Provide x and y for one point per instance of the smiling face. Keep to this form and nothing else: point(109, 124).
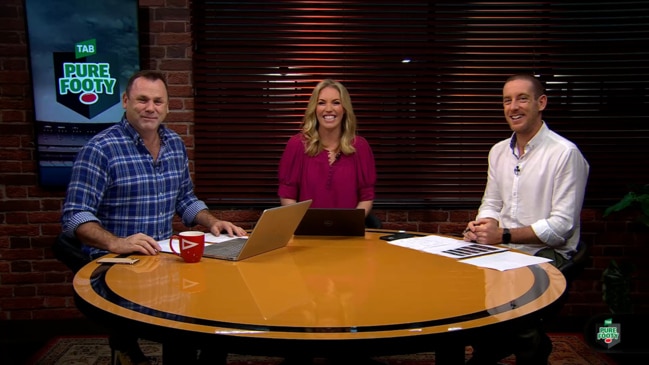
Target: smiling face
point(146, 105)
point(329, 110)
point(522, 107)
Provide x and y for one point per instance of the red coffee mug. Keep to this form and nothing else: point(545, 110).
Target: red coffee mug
point(191, 245)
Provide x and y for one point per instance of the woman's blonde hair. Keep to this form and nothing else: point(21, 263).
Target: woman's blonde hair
point(313, 145)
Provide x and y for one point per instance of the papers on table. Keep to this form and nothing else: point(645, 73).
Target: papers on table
point(209, 239)
point(164, 245)
point(493, 257)
point(446, 246)
point(506, 260)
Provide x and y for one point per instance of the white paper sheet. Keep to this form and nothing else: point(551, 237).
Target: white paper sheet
point(505, 260)
point(446, 246)
point(459, 249)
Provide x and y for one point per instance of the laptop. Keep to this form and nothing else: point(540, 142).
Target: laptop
point(332, 222)
point(273, 230)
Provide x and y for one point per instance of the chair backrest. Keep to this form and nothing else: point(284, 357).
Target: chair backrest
point(372, 221)
point(68, 251)
point(577, 264)
point(570, 271)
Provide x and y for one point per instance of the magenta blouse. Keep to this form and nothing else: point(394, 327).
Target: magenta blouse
point(348, 181)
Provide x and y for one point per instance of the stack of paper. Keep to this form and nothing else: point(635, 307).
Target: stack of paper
point(489, 256)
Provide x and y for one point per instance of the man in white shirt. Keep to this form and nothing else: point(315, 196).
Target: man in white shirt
point(532, 201)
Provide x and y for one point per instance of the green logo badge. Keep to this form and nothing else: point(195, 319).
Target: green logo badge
point(85, 48)
point(83, 77)
point(609, 333)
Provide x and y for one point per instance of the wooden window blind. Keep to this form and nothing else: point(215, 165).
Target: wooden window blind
point(425, 80)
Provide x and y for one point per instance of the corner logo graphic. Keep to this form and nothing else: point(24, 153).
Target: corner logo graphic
point(84, 82)
point(609, 334)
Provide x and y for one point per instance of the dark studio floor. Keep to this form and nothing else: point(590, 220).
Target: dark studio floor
point(20, 340)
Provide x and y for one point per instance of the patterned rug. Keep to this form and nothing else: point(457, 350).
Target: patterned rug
point(569, 349)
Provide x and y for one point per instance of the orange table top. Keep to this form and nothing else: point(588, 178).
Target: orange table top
point(319, 288)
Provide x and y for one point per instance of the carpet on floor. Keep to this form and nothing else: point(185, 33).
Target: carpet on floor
point(568, 349)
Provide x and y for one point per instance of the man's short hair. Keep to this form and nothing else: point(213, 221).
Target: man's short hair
point(536, 83)
point(151, 75)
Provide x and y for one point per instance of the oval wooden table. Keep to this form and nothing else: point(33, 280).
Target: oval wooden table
point(319, 296)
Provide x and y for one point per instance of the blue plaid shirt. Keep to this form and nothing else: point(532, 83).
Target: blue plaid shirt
point(116, 183)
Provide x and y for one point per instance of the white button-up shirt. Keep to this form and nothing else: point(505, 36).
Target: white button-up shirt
point(543, 188)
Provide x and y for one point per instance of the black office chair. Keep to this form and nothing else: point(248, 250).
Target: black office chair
point(372, 221)
point(68, 251)
point(572, 268)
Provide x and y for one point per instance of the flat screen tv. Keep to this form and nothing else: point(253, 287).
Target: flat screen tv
point(82, 54)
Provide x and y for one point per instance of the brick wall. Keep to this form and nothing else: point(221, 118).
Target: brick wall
point(33, 285)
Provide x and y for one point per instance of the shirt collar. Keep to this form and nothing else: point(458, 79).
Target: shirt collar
point(535, 141)
point(135, 136)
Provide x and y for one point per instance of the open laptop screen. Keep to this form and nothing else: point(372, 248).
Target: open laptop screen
point(332, 222)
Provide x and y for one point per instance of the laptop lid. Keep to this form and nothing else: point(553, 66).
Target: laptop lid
point(273, 230)
point(332, 222)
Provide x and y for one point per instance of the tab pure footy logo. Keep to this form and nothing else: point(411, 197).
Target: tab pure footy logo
point(609, 334)
point(84, 82)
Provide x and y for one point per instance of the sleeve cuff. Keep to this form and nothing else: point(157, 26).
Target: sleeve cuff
point(78, 219)
point(192, 211)
point(544, 232)
point(488, 214)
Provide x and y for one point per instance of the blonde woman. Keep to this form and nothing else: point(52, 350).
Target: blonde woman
point(326, 161)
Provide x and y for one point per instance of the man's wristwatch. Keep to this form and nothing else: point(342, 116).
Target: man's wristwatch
point(507, 236)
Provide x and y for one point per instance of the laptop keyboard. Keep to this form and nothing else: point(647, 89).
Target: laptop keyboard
point(230, 248)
